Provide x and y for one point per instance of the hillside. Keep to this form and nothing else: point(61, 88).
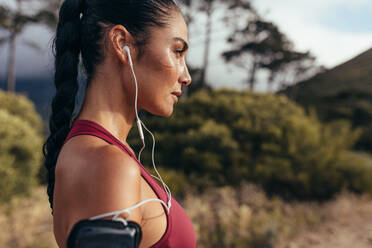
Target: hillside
point(343, 92)
point(354, 75)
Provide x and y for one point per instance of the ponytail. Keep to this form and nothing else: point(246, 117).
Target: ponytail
point(66, 47)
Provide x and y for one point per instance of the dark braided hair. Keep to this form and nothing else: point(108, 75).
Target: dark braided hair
point(80, 30)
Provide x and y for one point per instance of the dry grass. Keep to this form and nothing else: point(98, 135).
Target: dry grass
point(224, 217)
point(27, 222)
point(247, 218)
point(345, 222)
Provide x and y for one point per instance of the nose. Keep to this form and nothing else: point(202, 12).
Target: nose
point(185, 79)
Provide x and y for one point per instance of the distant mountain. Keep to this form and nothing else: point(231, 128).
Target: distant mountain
point(343, 92)
point(355, 75)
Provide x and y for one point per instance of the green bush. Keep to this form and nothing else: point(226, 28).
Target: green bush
point(356, 170)
point(20, 156)
point(224, 137)
point(20, 145)
point(365, 140)
point(22, 107)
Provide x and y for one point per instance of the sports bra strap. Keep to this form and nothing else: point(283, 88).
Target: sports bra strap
point(87, 127)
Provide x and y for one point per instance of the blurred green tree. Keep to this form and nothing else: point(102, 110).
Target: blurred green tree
point(261, 45)
point(22, 107)
point(256, 45)
point(208, 8)
point(224, 137)
point(20, 146)
point(20, 156)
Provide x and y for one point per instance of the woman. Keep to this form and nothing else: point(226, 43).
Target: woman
point(91, 168)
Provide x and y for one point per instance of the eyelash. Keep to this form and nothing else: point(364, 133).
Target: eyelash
point(179, 51)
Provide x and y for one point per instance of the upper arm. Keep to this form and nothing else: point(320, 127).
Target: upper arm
point(111, 182)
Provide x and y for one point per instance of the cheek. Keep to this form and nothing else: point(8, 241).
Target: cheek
point(160, 75)
point(166, 67)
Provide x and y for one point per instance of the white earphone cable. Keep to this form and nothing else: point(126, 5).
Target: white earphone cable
point(127, 210)
point(139, 121)
point(116, 214)
point(166, 188)
point(139, 124)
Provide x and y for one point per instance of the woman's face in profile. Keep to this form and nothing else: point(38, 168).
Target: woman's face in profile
point(162, 70)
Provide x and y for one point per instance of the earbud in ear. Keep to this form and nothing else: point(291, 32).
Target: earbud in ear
point(126, 48)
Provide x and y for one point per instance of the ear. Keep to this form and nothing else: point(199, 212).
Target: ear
point(120, 37)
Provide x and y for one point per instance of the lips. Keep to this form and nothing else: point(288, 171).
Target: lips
point(177, 93)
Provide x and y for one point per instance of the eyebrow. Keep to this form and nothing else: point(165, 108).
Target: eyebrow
point(185, 45)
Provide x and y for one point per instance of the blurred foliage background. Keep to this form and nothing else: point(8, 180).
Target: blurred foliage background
point(252, 169)
point(20, 142)
point(225, 137)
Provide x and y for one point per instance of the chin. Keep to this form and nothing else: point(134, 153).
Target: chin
point(164, 112)
point(167, 113)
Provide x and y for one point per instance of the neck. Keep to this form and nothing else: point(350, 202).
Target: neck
point(108, 105)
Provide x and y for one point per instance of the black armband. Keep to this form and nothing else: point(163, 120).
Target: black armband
point(104, 233)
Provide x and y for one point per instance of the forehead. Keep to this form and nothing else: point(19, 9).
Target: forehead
point(178, 24)
point(176, 27)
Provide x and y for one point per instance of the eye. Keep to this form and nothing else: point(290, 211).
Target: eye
point(179, 51)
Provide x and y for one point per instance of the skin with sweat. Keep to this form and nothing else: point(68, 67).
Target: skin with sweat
point(94, 177)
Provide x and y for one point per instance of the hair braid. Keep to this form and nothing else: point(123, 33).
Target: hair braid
point(66, 47)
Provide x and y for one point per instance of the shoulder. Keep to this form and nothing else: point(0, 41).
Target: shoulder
point(109, 162)
point(98, 160)
point(96, 180)
point(106, 172)
point(112, 180)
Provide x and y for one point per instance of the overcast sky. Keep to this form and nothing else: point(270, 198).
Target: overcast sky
point(333, 30)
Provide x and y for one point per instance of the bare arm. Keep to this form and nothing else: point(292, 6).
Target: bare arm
point(107, 181)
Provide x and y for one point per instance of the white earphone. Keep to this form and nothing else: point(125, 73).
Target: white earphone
point(126, 48)
point(138, 120)
point(139, 125)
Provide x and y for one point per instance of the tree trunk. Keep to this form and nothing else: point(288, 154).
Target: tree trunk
point(208, 32)
point(252, 76)
point(11, 63)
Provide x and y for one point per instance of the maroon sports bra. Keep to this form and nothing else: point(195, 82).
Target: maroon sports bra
point(179, 232)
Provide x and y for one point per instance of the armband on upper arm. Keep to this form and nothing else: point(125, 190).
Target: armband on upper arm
point(104, 233)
